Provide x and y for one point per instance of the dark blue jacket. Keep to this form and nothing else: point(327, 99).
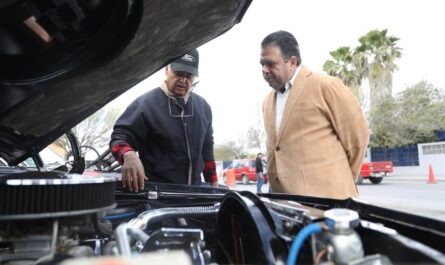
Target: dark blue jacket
point(152, 125)
point(258, 165)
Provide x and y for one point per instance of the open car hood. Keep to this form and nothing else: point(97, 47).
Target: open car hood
point(63, 60)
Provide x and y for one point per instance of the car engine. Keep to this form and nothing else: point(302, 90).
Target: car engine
point(47, 215)
point(52, 218)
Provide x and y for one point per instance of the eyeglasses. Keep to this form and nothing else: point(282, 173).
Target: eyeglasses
point(186, 75)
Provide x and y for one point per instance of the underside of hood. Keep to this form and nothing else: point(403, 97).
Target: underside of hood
point(62, 60)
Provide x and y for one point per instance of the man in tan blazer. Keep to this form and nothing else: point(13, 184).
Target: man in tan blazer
point(316, 132)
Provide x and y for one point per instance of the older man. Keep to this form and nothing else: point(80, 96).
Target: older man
point(171, 129)
point(316, 132)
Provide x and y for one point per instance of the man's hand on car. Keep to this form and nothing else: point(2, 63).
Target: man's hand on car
point(133, 175)
point(214, 184)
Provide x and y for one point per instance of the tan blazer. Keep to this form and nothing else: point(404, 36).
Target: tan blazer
point(322, 139)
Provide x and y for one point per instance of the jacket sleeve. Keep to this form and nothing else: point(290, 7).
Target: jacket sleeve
point(348, 121)
point(209, 171)
point(129, 130)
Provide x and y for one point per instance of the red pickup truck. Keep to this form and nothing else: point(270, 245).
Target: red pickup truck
point(375, 171)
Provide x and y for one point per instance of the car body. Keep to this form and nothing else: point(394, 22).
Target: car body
point(375, 171)
point(244, 170)
point(67, 59)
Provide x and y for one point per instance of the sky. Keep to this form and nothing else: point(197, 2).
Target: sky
point(230, 73)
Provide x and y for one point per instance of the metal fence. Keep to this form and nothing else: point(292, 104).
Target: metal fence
point(400, 156)
point(440, 135)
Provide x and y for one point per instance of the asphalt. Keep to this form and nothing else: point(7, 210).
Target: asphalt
point(440, 178)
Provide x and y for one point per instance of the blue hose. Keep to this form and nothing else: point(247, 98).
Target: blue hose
point(299, 240)
point(119, 216)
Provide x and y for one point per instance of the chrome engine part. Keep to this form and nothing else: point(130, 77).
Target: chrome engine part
point(206, 226)
point(44, 215)
point(188, 239)
point(340, 243)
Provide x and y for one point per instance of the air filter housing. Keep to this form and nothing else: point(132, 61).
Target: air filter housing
point(35, 195)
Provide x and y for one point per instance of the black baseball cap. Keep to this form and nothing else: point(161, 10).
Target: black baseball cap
point(187, 63)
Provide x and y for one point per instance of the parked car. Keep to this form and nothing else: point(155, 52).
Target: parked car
point(375, 171)
point(244, 170)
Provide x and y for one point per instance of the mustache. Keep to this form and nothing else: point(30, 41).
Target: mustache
point(181, 84)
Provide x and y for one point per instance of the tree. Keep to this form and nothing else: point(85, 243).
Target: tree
point(255, 136)
point(93, 132)
point(240, 148)
point(378, 54)
point(386, 128)
point(230, 150)
point(413, 116)
point(346, 65)
point(374, 59)
point(421, 113)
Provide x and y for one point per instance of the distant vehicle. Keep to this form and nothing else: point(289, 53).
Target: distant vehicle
point(375, 171)
point(244, 170)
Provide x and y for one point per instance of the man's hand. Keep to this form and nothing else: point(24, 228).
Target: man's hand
point(133, 175)
point(214, 184)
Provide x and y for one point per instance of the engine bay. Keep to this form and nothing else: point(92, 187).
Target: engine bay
point(52, 218)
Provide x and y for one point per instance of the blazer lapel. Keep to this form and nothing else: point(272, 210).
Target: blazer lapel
point(294, 95)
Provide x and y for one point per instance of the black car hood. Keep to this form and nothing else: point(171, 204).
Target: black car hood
point(62, 60)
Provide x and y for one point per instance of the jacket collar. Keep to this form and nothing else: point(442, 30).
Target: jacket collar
point(167, 92)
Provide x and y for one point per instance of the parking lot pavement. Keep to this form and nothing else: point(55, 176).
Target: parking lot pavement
point(439, 179)
point(415, 178)
point(250, 187)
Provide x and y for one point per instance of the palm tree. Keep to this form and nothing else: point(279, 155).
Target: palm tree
point(378, 53)
point(346, 65)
